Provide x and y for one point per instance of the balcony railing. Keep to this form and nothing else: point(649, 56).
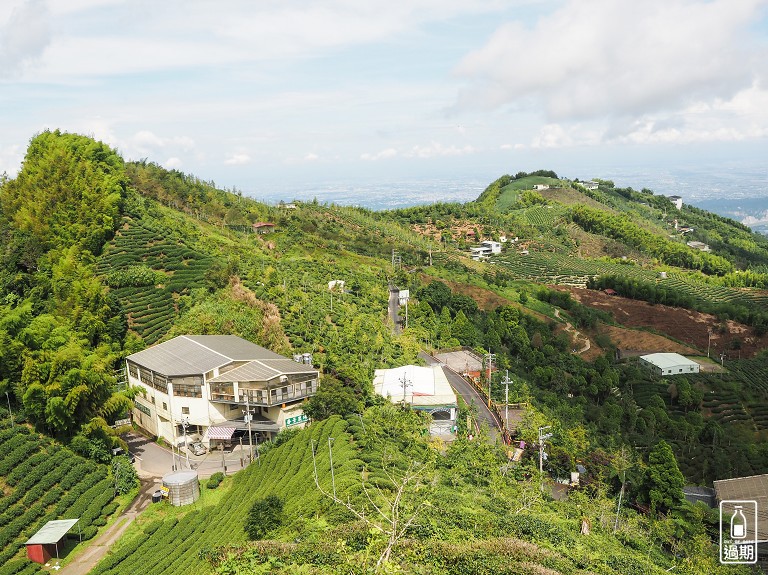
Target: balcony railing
point(269, 396)
point(279, 395)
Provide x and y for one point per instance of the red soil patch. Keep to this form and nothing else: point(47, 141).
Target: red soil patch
point(685, 326)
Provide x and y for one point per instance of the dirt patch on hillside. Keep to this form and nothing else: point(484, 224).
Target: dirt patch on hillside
point(689, 328)
point(486, 299)
point(637, 339)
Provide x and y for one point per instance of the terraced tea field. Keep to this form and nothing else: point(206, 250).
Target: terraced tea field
point(150, 299)
point(44, 482)
point(565, 269)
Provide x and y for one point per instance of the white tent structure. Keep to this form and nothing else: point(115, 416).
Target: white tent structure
point(669, 363)
point(424, 388)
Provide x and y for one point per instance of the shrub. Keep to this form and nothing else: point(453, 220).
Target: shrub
point(215, 480)
point(265, 515)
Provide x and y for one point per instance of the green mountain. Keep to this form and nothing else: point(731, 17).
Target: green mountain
point(102, 258)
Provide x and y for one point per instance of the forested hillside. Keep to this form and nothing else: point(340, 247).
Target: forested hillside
point(124, 255)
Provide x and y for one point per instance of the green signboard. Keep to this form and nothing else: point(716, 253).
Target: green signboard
point(294, 420)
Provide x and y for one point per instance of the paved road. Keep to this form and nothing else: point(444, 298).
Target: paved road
point(468, 392)
point(154, 460)
point(394, 306)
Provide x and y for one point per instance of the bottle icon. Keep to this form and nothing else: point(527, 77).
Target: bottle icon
point(738, 524)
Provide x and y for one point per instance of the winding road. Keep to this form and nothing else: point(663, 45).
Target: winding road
point(469, 393)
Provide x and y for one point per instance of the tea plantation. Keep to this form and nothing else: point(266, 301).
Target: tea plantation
point(41, 481)
point(148, 268)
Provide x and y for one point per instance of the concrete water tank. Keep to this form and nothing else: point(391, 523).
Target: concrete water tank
point(183, 487)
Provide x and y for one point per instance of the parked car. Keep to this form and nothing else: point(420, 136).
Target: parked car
point(190, 439)
point(118, 451)
point(197, 448)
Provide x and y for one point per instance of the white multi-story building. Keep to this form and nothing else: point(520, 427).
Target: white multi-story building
point(484, 250)
point(207, 383)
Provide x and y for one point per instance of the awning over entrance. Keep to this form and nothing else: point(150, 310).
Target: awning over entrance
point(220, 432)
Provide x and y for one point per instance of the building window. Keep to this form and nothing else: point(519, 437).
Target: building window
point(133, 370)
point(181, 390)
point(185, 411)
point(165, 406)
point(222, 391)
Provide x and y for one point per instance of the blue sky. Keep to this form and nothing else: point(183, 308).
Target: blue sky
point(249, 94)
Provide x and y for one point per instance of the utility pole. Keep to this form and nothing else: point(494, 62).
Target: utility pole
point(184, 424)
point(709, 339)
point(489, 357)
point(248, 418)
point(10, 413)
point(506, 383)
point(330, 456)
point(396, 260)
point(542, 438)
point(405, 383)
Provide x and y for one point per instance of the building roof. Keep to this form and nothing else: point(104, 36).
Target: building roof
point(52, 532)
point(426, 386)
point(263, 370)
point(667, 360)
point(753, 488)
point(197, 354)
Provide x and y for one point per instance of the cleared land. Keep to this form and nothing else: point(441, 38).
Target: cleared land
point(685, 326)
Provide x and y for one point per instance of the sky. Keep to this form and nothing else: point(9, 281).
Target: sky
point(284, 92)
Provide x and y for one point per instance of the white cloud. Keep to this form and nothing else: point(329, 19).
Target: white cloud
point(436, 150)
point(311, 157)
point(238, 160)
point(382, 155)
point(24, 36)
point(595, 59)
point(10, 159)
point(173, 163)
point(176, 34)
point(146, 143)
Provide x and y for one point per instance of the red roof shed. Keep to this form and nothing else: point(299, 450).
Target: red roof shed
point(44, 545)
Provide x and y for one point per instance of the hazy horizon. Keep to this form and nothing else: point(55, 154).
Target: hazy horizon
point(258, 95)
